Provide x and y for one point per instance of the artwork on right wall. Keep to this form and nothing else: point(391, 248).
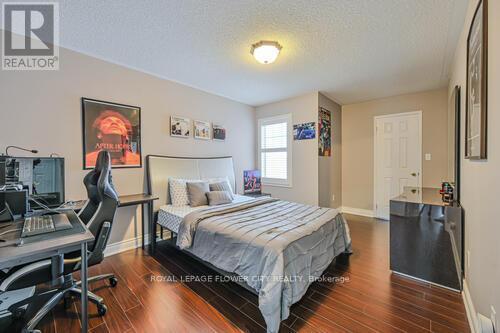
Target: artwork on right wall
point(324, 132)
point(477, 85)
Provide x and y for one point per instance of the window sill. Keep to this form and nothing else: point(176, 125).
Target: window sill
point(276, 185)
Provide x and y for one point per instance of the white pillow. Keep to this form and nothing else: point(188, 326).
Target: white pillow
point(219, 180)
point(178, 191)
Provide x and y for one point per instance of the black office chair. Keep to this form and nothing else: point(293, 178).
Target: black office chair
point(98, 214)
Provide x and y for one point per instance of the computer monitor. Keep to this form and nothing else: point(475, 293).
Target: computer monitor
point(2, 173)
point(5, 213)
point(43, 177)
point(17, 202)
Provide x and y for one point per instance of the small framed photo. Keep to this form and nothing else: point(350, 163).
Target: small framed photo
point(180, 127)
point(219, 132)
point(201, 130)
point(113, 127)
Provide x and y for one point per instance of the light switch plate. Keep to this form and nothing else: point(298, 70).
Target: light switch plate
point(428, 157)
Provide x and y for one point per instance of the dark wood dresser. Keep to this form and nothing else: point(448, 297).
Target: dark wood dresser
point(426, 237)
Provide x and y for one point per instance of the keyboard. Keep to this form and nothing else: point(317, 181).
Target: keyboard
point(36, 225)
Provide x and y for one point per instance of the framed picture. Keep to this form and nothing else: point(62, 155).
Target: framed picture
point(219, 133)
point(180, 127)
point(305, 131)
point(112, 127)
point(201, 130)
point(456, 104)
point(324, 132)
point(252, 181)
point(477, 84)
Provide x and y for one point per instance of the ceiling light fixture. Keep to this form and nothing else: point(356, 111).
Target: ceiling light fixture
point(265, 51)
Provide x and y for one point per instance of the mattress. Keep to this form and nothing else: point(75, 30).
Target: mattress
point(171, 217)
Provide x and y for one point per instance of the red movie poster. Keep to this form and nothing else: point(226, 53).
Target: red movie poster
point(112, 127)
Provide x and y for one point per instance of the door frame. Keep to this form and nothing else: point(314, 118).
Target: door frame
point(375, 152)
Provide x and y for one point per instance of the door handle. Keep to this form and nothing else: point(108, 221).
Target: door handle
point(414, 174)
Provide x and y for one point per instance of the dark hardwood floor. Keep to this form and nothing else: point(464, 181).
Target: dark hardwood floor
point(369, 299)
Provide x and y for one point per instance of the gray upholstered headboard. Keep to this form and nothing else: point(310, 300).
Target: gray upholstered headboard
point(160, 168)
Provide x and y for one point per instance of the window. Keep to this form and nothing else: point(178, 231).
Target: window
point(275, 150)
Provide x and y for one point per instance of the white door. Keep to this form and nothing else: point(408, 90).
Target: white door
point(398, 157)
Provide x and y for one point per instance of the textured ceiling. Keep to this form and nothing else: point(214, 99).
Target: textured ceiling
point(351, 50)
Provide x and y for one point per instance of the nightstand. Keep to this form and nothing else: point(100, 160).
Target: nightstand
point(257, 195)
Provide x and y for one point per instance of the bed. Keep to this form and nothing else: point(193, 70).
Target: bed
point(278, 248)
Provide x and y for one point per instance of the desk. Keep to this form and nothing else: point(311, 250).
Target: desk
point(426, 237)
point(130, 200)
point(51, 245)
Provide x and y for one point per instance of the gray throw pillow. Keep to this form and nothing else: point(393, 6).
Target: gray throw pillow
point(219, 198)
point(197, 193)
point(222, 186)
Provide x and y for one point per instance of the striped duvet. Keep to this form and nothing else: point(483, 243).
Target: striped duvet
point(279, 248)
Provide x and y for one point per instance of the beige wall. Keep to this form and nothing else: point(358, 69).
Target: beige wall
point(480, 180)
point(42, 110)
point(330, 168)
point(357, 142)
point(304, 153)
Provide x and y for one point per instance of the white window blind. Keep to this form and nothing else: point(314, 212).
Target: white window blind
point(275, 150)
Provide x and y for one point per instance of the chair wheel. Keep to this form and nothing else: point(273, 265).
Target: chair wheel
point(101, 309)
point(113, 281)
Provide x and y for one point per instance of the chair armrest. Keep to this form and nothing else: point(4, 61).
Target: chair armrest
point(98, 249)
point(101, 240)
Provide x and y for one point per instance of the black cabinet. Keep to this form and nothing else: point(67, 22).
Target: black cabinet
point(426, 237)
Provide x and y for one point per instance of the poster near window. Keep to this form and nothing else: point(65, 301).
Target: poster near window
point(305, 131)
point(324, 133)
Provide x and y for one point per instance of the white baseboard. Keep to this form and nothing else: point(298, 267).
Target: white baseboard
point(469, 308)
point(125, 245)
point(357, 211)
point(130, 244)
